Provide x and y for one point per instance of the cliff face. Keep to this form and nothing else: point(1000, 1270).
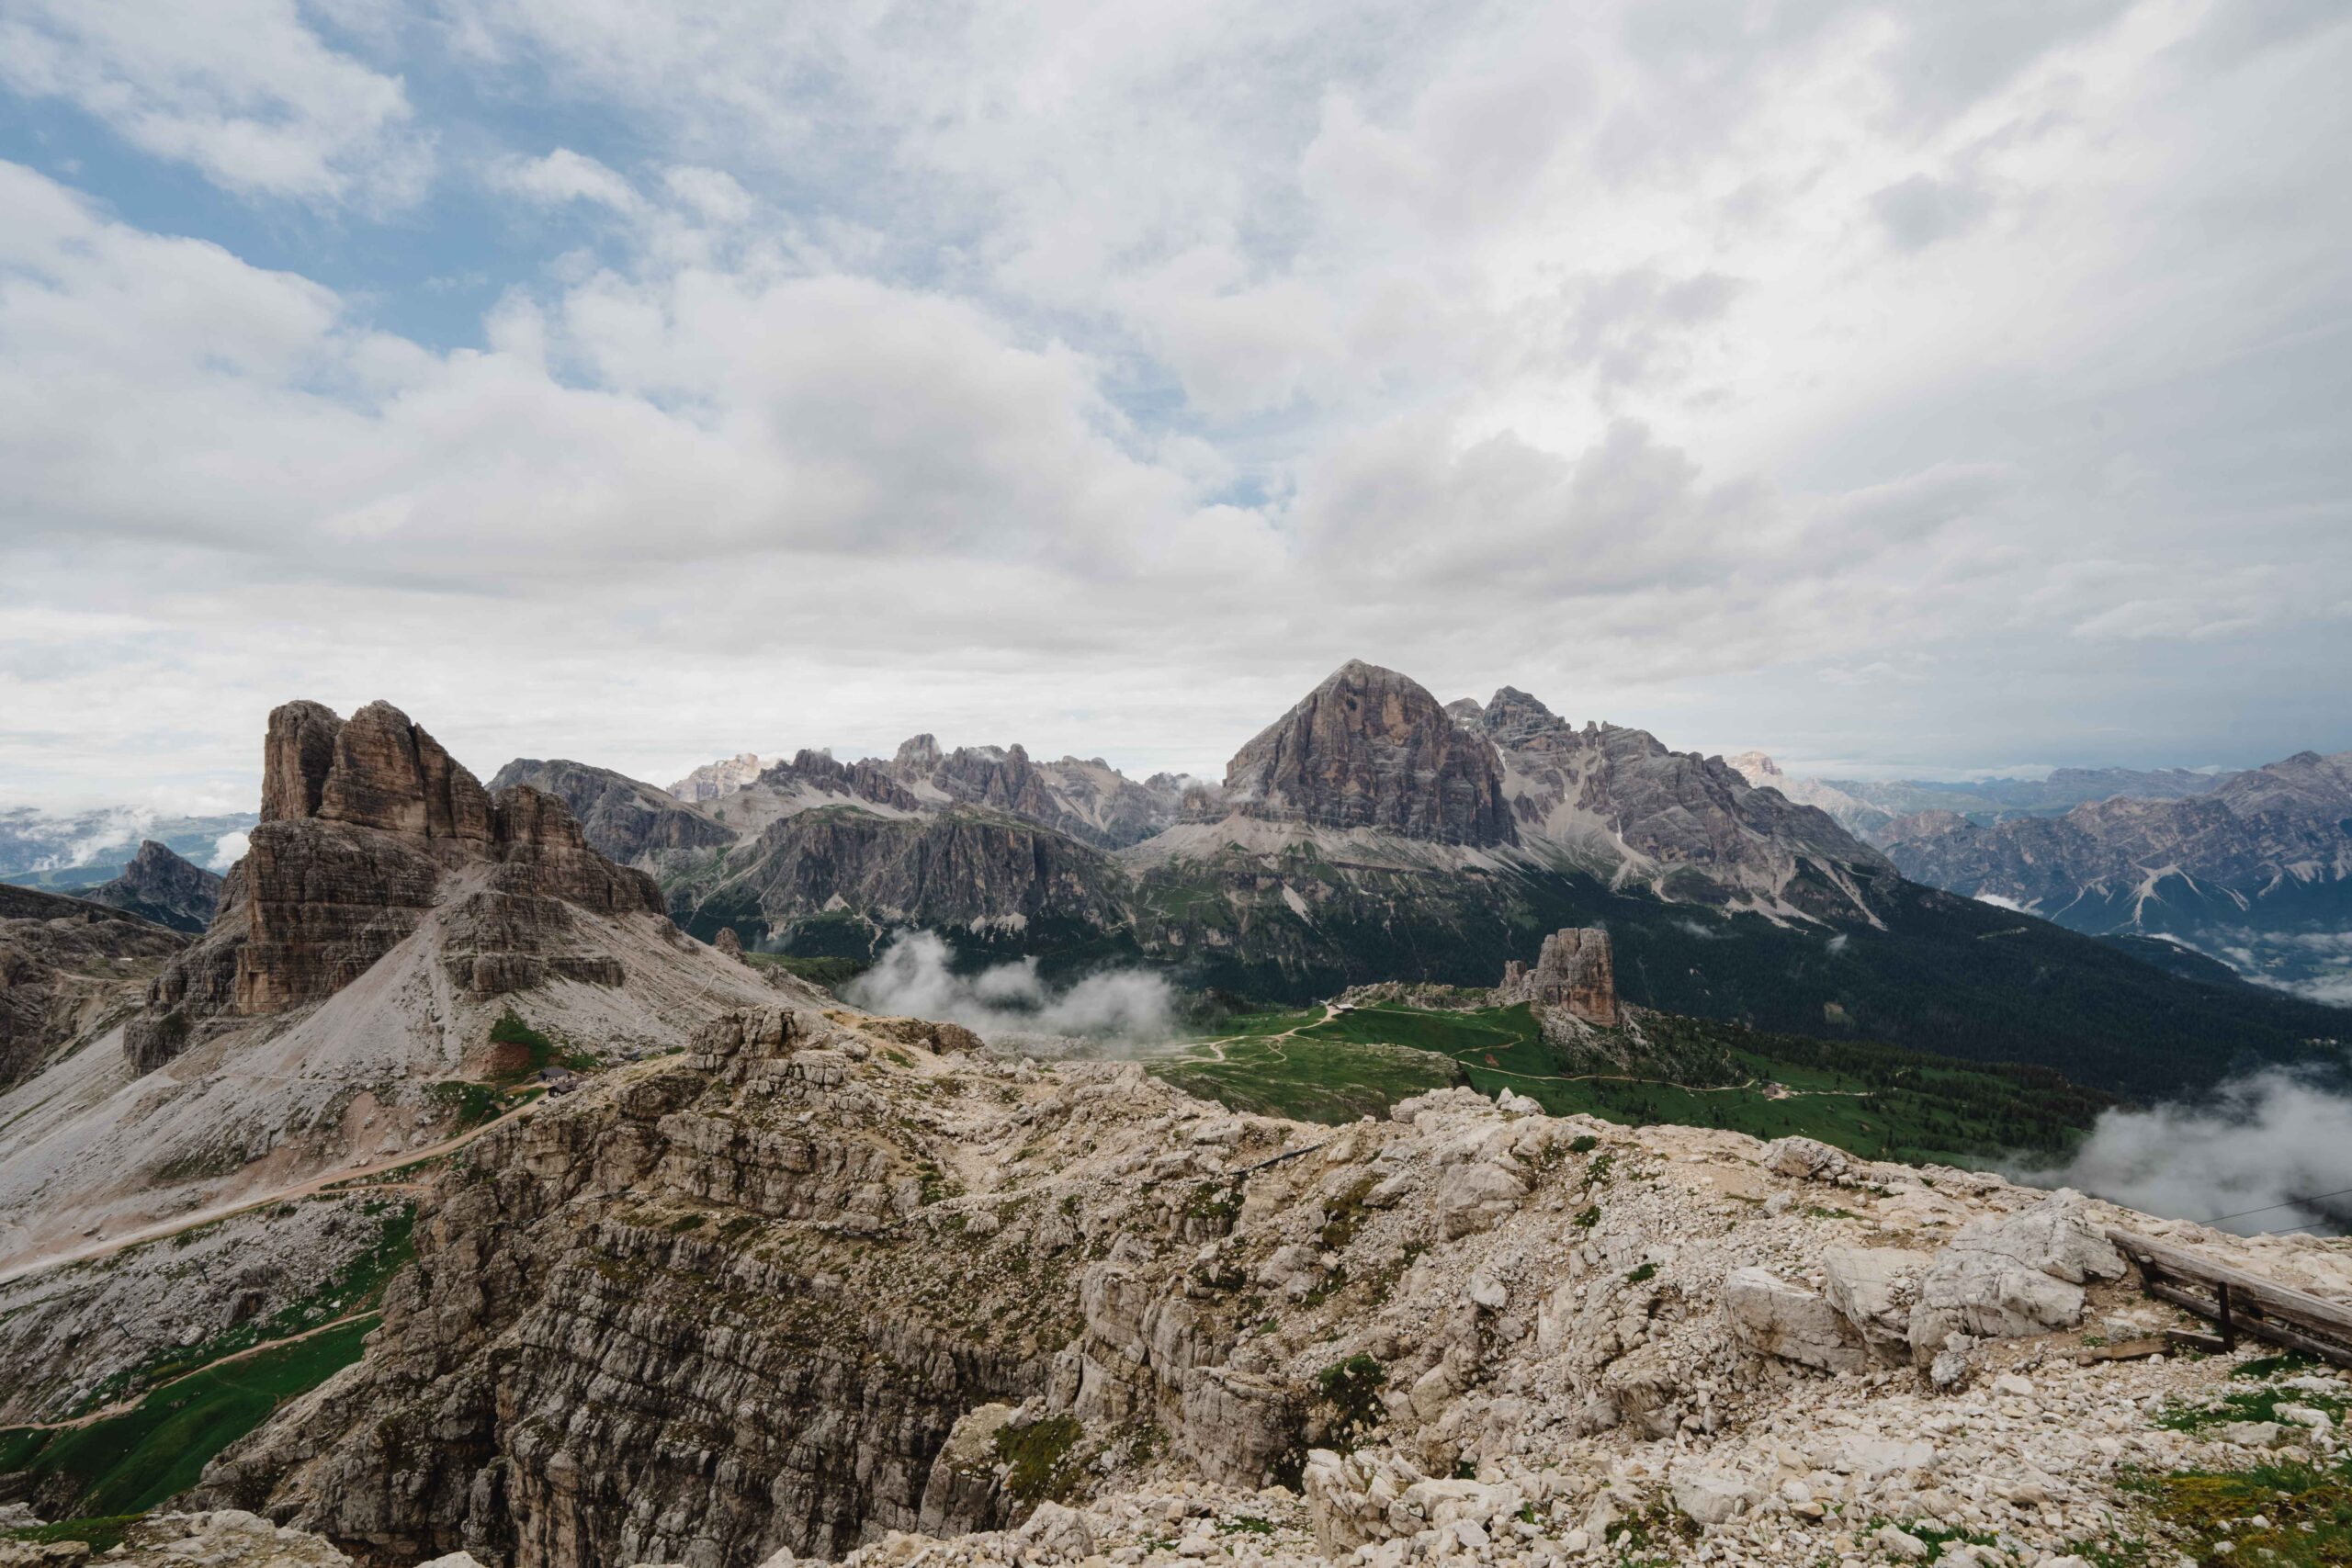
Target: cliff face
point(952, 869)
point(1688, 827)
point(1370, 748)
point(1574, 974)
point(364, 826)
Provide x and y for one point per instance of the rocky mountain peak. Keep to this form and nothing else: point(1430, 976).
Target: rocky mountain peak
point(1514, 717)
point(161, 886)
point(376, 770)
point(1370, 748)
point(917, 753)
point(363, 822)
point(1757, 767)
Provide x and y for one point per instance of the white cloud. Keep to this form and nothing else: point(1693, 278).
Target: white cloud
point(565, 175)
point(1097, 379)
point(245, 91)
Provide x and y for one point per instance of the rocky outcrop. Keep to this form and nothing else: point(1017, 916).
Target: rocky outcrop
point(159, 886)
point(628, 822)
point(818, 772)
point(714, 781)
point(366, 826)
point(1370, 748)
point(66, 965)
point(955, 870)
point(813, 1287)
point(1086, 798)
point(1617, 802)
point(1573, 975)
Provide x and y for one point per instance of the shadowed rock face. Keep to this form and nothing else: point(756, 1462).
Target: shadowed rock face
point(159, 886)
point(363, 824)
point(63, 965)
point(1370, 748)
point(627, 821)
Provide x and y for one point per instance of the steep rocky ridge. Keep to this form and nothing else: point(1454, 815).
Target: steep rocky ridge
point(159, 886)
point(715, 780)
point(389, 912)
point(1688, 826)
point(807, 1285)
point(66, 965)
point(628, 822)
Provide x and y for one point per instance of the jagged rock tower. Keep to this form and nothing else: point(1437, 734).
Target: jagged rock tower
point(366, 825)
point(1574, 974)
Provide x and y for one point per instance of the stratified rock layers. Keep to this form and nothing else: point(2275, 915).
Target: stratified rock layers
point(366, 826)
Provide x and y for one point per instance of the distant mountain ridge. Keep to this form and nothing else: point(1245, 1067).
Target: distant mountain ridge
point(1373, 834)
point(163, 887)
point(1866, 807)
point(2258, 869)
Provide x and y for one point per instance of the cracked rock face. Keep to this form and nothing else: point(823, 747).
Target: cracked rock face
point(1370, 748)
point(64, 966)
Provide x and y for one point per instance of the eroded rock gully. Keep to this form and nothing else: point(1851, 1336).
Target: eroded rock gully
point(813, 1286)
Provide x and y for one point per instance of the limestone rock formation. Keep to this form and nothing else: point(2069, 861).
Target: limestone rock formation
point(1619, 802)
point(811, 1286)
point(1573, 974)
point(715, 780)
point(159, 886)
point(366, 826)
point(1370, 748)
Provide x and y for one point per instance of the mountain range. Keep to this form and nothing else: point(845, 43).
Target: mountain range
point(1372, 833)
point(1867, 808)
point(446, 1200)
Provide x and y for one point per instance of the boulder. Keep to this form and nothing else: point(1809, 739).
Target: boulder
point(1805, 1159)
point(1874, 1287)
point(1712, 1498)
point(2010, 1275)
point(1775, 1319)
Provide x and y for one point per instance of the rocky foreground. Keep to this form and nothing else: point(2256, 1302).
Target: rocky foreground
point(840, 1287)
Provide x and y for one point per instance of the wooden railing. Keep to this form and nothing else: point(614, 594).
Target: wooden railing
point(2237, 1302)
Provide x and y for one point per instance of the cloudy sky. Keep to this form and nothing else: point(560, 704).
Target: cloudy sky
point(1901, 388)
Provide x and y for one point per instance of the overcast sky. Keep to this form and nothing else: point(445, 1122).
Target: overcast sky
point(1910, 389)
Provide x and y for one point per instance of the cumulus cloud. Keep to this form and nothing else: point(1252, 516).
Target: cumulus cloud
point(915, 976)
point(565, 175)
point(2267, 1152)
point(243, 91)
point(988, 373)
point(228, 850)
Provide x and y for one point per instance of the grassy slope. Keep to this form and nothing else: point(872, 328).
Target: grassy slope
point(130, 1462)
point(1877, 1101)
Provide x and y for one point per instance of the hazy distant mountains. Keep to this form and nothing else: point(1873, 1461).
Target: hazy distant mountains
point(1866, 807)
point(2258, 871)
point(81, 848)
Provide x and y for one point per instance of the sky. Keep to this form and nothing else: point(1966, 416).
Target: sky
point(1914, 388)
